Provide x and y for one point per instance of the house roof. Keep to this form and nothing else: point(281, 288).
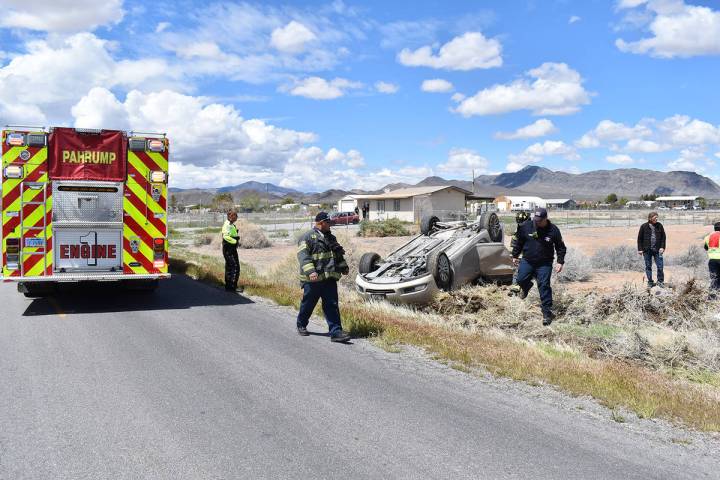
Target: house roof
point(677, 199)
point(558, 200)
point(412, 192)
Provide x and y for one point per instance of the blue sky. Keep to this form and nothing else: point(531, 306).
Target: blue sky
point(316, 95)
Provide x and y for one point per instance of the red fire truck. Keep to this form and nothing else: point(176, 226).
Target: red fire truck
point(83, 205)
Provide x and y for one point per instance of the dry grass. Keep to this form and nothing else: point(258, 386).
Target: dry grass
point(656, 355)
point(251, 236)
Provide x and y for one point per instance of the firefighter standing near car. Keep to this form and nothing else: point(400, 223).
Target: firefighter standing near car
point(322, 263)
point(712, 245)
point(520, 218)
point(538, 240)
point(230, 240)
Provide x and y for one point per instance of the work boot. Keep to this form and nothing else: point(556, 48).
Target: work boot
point(660, 284)
point(548, 318)
point(302, 331)
point(340, 337)
point(650, 284)
point(524, 293)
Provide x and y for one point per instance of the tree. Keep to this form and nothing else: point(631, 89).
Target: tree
point(612, 198)
point(173, 203)
point(222, 202)
point(623, 201)
point(251, 202)
point(648, 197)
point(287, 201)
point(702, 202)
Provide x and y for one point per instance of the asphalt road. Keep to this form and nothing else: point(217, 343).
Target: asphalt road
point(194, 383)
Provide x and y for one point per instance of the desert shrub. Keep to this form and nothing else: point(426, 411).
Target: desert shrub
point(577, 268)
point(251, 236)
point(203, 239)
point(694, 257)
point(392, 227)
point(617, 258)
point(279, 234)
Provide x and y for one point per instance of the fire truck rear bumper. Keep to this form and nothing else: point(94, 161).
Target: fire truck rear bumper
point(88, 277)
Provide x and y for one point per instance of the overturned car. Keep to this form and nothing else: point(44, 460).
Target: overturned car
point(445, 256)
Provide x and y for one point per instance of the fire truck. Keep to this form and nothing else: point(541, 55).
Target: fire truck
point(81, 205)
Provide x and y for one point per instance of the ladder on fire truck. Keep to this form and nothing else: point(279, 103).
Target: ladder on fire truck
point(42, 226)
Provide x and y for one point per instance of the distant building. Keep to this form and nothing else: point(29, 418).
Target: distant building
point(515, 203)
point(347, 203)
point(640, 204)
point(688, 202)
point(561, 204)
point(411, 204)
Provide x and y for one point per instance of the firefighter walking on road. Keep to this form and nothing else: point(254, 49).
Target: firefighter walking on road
point(229, 246)
point(712, 245)
point(322, 263)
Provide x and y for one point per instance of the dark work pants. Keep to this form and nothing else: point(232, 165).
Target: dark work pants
point(328, 292)
point(542, 273)
point(649, 255)
point(714, 267)
point(232, 266)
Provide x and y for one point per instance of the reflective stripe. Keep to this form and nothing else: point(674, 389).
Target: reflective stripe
point(302, 247)
point(308, 267)
point(712, 241)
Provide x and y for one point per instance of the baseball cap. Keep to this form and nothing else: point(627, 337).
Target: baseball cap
point(540, 213)
point(322, 217)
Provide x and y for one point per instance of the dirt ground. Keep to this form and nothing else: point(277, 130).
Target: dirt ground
point(587, 240)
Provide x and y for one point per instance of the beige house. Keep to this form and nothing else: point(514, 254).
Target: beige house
point(411, 204)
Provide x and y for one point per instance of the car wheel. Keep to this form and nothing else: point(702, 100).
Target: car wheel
point(489, 221)
point(369, 262)
point(439, 266)
point(427, 224)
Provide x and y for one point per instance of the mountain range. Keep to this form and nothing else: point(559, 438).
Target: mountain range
point(531, 180)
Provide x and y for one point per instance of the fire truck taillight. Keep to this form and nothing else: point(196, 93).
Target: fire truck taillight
point(158, 252)
point(156, 145)
point(16, 139)
point(13, 171)
point(158, 177)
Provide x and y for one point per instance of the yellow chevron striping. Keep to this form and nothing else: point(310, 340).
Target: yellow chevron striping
point(140, 219)
point(141, 194)
point(159, 159)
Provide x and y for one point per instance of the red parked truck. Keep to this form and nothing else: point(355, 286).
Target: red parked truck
point(83, 205)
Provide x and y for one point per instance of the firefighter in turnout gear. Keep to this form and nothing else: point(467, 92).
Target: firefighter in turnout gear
point(322, 263)
point(712, 245)
point(230, 245)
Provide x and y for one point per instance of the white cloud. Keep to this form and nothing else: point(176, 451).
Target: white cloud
point(688, 159)
point(717, 154)
point(539, 128)
point(436, 85)
point(466, 52)
point(645, 146)
point(386, 87)
point(462, 162)
point(623, 4)
point(574, 19)
point(100, 109)
point(61, 17)
point(161, 27)
point(677, 30)
point(59, 72)
point(292, 38)
point(535, 153)
point(609, 131)
point(320, 89)
point(682, 130)
point(620, 159)
point(556, 89)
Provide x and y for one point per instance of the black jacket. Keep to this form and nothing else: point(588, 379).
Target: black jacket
point(321, 253)
point(538, 245)
point(643, 241)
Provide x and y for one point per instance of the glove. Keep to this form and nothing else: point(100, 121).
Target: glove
point(345, 270)
point(337, 249)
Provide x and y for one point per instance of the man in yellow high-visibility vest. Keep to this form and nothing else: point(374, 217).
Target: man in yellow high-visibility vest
point(229, 247)
point(712, 245)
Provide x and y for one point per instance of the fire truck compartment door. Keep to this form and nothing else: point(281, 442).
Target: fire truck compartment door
point(83, 203)
point(88, 249)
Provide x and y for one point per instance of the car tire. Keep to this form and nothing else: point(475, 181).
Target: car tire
point(489, 221)
point(427, 224)
point(439, 265)
point(368, 262)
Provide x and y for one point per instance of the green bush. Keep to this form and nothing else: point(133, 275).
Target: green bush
point(392, 227)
